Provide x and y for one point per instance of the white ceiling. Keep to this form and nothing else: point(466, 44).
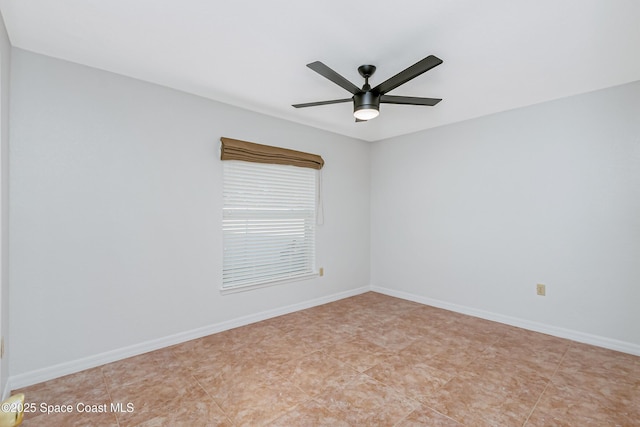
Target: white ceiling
point(498, 54)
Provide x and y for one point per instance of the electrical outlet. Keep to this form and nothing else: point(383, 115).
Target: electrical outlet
point(321, 272)
point(541, 289)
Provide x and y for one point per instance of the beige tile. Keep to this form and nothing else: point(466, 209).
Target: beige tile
point(365, 299)
point(389, 336)
point(312, 372)
point(578, 406)
point(540, 419)
point(387, 307)
point(359, 353)
point(591, 367)
point(222, 342)
point(522, 360)
point(288, 322)
point(425, 416)
point(212, 361)
point(315, 336)
point(257, 402)
point(74, 419)
point(138, 368)
point(251, 335)
point(533, 342)
point(410, 375)
point(338, 321)
point(525, 388)
point(519, 377)
point(447, 354)
point(311, 414)
point(88, 385)
point(157, 397)
point(361, 400)
point(469, 403)
point(264, 357)
point(286, 345)
point(191, 413)
point(419, 327)
point(244, 375)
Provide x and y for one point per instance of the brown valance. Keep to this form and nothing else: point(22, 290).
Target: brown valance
point(234, 149)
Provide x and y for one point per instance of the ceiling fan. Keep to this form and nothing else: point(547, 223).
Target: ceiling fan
point(366, 101)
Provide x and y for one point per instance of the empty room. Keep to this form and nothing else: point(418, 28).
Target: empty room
point(335, 213)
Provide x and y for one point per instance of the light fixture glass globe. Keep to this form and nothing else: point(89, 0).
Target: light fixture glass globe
point(366, 114)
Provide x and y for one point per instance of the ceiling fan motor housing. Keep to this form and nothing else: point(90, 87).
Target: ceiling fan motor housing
point(365, 101)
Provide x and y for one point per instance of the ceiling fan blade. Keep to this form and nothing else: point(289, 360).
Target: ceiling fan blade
point(409, 73)
point(328, 73)
point(314, 104)
point(409, 100)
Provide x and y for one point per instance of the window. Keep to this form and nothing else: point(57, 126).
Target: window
point(269, 223)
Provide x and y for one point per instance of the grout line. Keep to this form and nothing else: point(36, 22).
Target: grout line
point(212, 399)
point(106, 386)
point(546, 385)
point(407, 416)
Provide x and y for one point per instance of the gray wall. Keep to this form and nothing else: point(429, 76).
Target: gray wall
point(5, 65)
point(472, 215)
point(116, 213)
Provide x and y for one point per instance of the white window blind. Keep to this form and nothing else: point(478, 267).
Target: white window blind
point(269, 223)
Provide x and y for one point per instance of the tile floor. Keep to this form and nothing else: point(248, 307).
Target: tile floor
point(369, 360)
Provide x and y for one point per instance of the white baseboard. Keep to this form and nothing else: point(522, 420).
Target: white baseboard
point(56, 371)
point(7, 389)
point(582, 337)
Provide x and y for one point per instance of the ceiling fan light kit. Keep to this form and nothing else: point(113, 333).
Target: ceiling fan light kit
point(365, 114)
point(366, 101)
